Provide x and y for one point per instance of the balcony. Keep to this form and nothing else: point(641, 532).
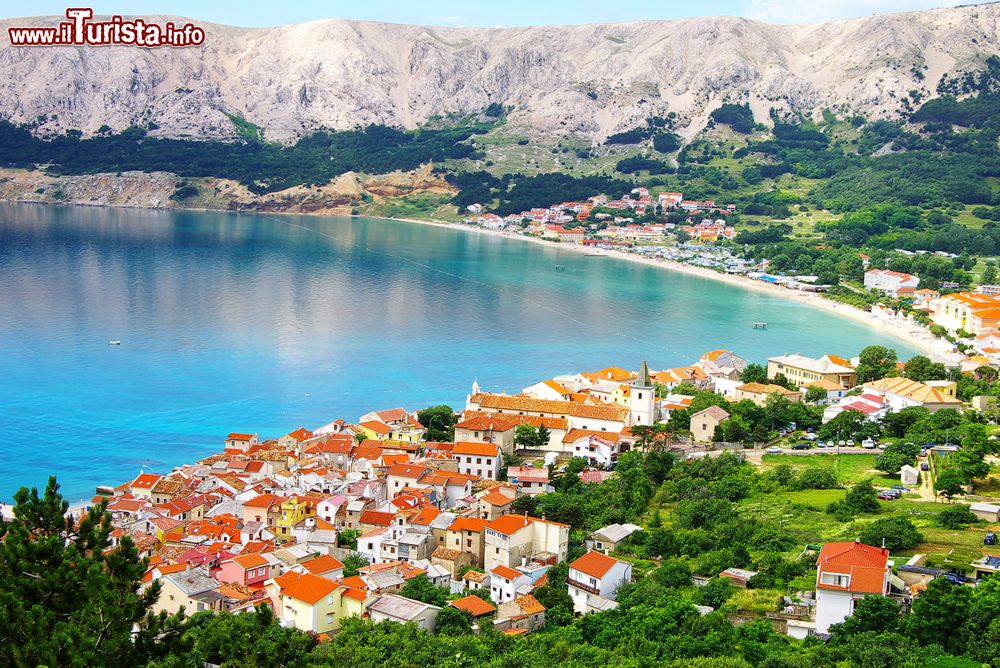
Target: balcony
point(583, 587)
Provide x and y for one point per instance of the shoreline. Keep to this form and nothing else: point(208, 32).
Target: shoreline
point(917, 337)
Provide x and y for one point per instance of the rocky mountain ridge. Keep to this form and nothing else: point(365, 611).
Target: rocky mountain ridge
point(591, 80)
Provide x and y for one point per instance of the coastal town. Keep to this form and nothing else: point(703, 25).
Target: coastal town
point(354, 518)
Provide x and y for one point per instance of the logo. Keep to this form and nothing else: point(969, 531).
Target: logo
point(80, 30)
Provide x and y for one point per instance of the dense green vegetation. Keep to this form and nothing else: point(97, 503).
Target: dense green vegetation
point(699, 524)
point(314, 160)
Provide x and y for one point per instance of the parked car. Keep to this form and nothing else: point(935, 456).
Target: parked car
point(802, 446)
point(955, 578)
point(850, 442)
point(924, 466)
point(820, 444)
point(868, 443)
point(810, 436)
point(990, 539)
point(773, 450)
point(842, 443)
point(887, 496)
point(900, 488)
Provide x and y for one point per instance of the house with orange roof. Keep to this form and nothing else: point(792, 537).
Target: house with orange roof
point(972, 311)
point(548, 389)
point(325, 566)
point(759, 393)
point(403, 475)
point(241, 442)
point(500, 428)
point(295, 438)
point(249, 570)
point(803, 370)
point(264, 508)
point(599, 448)
point(606, 417)
point(512, 539)
point(594, 579)
point(493, 503)
point(294, 511)
point(522, 615)
point(465, 534)
point(142, 486)
point(846, 573)
point(505, 582)
point(315, 604)
point(375, 430)
point(474, 606)
point(478, 459)
point(900, 393)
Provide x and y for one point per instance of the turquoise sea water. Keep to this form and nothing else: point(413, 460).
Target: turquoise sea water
point(263, 323)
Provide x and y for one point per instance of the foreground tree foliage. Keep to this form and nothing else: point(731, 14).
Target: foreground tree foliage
point(68, 598)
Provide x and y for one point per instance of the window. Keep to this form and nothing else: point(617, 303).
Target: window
point(329, 619)
point(835, 579)
point(479, 460)
point(593, 582)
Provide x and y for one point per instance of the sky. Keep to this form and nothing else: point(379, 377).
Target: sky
point(475, 13)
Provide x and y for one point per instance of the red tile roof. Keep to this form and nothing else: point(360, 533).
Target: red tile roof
point(864, 564)
point(594, 564)
point(506, 573)
point(324, 564)
point(473, 605)
point(478, 449)
point(472, 524)
point(306, 587)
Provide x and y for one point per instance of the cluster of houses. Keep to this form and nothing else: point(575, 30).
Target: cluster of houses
point(971, 316)
point(706, 221)
point(274, 521)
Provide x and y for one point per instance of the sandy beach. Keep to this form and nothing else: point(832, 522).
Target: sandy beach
point(916, 336)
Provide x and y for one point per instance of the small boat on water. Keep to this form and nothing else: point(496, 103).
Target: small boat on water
point(114, 342)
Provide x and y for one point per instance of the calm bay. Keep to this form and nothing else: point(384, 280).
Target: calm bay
point(241, 322)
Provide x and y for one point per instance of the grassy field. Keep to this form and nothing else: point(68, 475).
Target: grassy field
point(849, 468)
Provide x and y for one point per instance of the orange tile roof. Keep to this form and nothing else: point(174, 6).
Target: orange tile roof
point(376, 518)
point(529, 604)
point(473, 605)
point(865, 564)
point(473, 524)
point(251, 560)
point(509, 524)
point(495, 498)
point(506, 573)
point(145, 480)
point(407, 470)
point(358, 594)
point(505, 402)
point(577, 434)
point(377, 427)
point(235, 436)
point(306, 587)
point(479, 449)
point(324, 564)
point(594, 564)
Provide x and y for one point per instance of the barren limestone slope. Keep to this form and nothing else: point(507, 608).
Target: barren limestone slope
point(590, 79)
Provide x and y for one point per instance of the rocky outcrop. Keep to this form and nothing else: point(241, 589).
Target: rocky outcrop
point(348, 193)
point(589, 79)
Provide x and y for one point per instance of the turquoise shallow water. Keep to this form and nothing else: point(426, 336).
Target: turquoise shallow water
point(264, 323)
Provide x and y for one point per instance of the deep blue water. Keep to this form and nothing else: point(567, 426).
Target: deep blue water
point(264, 323)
